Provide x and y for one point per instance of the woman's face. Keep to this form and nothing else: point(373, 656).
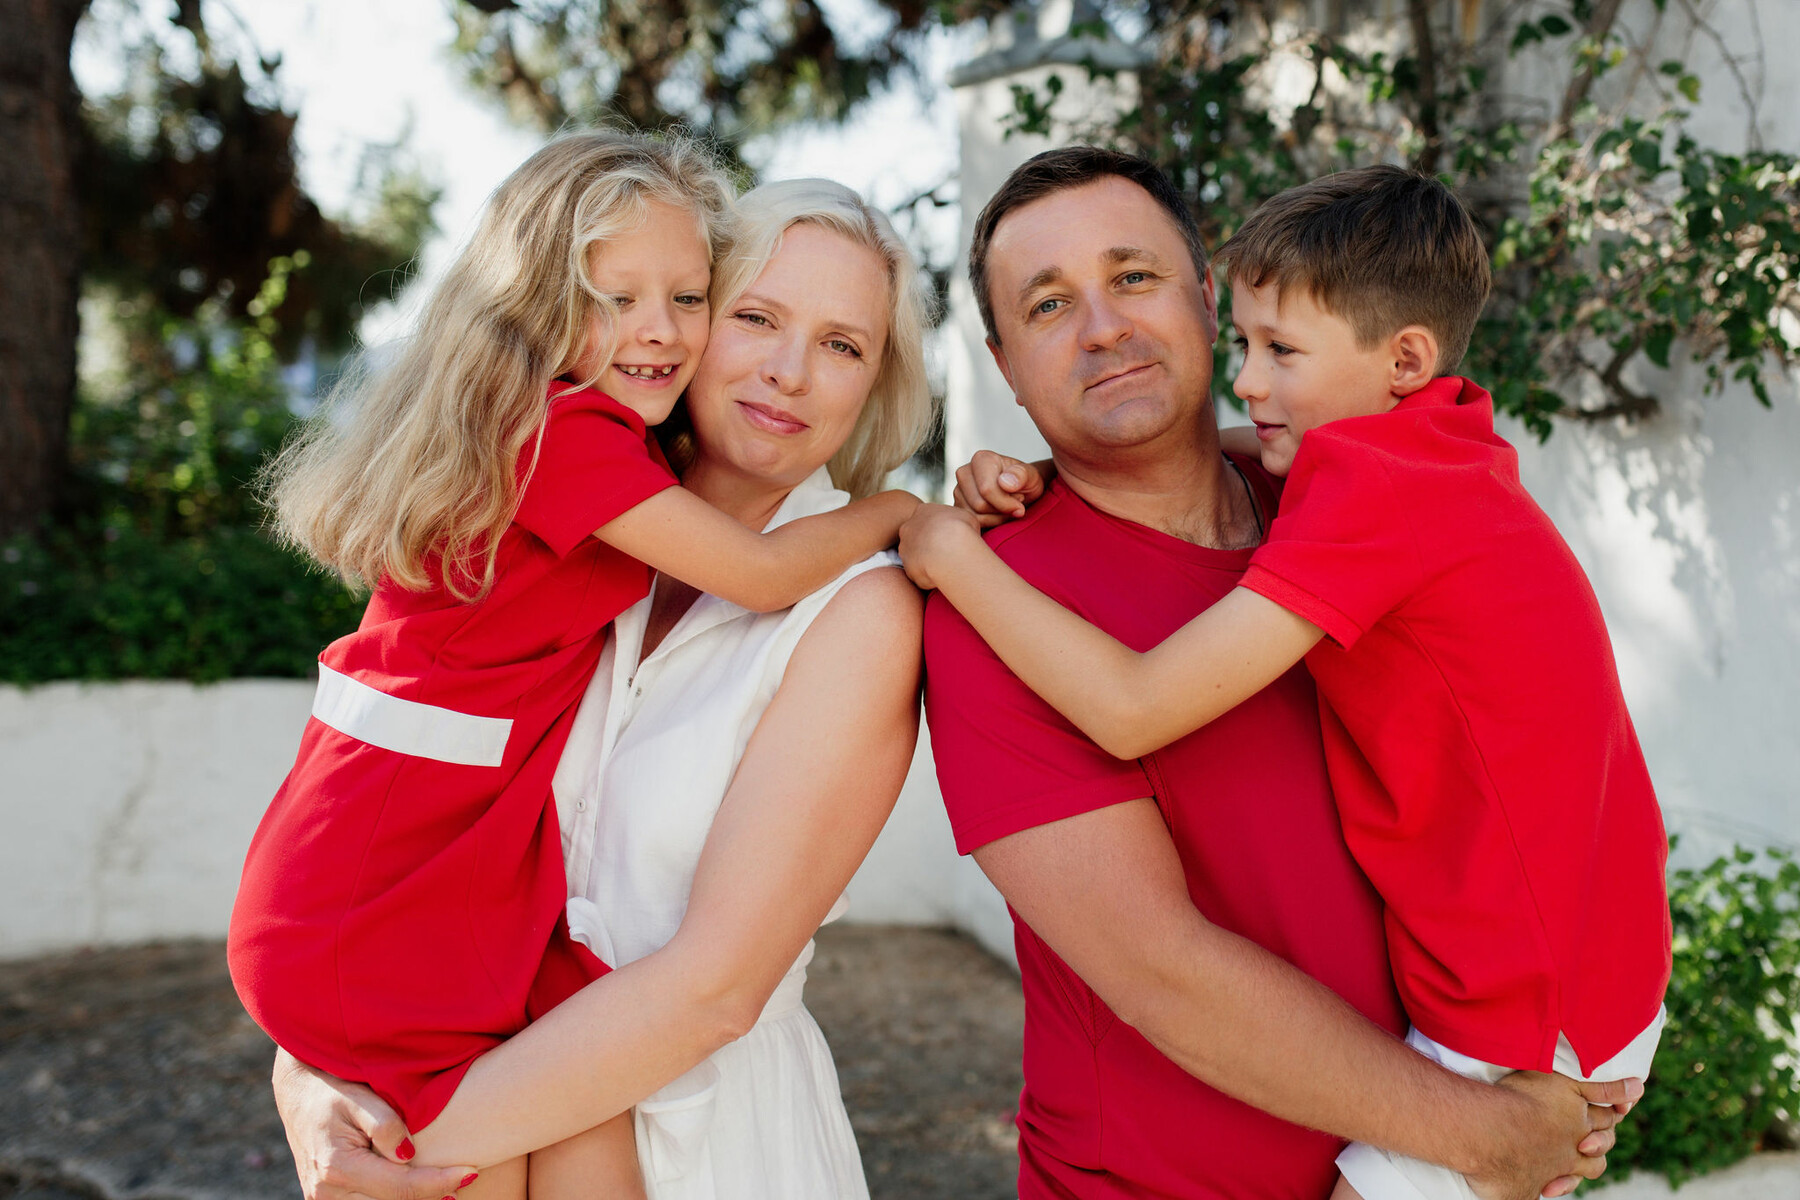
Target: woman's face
point(790, 363)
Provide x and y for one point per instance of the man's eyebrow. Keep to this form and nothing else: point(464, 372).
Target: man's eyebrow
point(1123, 254)
point(1044, 277)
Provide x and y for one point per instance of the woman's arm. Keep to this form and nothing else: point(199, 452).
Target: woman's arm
point(682, 535)
point(1128, 703)
point(820, 774)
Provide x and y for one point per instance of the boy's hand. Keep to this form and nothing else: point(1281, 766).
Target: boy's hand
point(1562, 1136)
point(996, 488)
point(934, 535)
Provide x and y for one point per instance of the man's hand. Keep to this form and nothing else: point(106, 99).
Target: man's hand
point(1563, 1133)
point(931, 539)
point(996, 488)
point(348, 1144)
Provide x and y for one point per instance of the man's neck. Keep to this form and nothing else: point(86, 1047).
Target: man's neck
point(1188, 492)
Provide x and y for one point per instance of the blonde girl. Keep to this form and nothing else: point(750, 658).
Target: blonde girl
point(400, 912)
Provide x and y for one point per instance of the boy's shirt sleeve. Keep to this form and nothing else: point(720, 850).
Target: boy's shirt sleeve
point(1006, 760)
point(1342, 553)
point(595, 461)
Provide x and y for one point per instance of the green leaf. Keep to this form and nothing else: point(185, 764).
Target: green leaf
point(1672, 67)
point(1657, 341)
point(1554, 26)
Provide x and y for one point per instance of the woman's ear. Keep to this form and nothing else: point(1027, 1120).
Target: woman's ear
point(1414, 352)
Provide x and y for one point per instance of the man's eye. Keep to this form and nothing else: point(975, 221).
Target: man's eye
point(1045, 306)
point(1136, 276)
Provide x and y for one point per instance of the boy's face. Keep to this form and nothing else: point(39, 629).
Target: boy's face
point(1302, 368)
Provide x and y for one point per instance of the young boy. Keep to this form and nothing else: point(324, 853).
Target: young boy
point(1486, 771)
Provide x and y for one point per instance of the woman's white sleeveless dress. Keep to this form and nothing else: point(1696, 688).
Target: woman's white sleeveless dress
point(653, 749)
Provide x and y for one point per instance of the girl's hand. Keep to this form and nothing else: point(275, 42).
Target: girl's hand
point(932, 537)
point(996, 488)
point(348, 1144)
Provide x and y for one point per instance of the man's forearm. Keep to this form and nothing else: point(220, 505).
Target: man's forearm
point(1258, 1029)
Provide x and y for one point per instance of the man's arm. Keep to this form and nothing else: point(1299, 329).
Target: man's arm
point(1107, 892)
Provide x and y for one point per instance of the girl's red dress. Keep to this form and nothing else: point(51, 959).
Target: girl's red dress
point(401, 906)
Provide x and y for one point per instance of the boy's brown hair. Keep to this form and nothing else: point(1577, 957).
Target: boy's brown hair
point(1381, 247)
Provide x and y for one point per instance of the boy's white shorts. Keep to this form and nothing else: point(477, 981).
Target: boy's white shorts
point(1381, 1175)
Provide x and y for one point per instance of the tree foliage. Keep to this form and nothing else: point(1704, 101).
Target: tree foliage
point(721, 68)
point(1619, 237)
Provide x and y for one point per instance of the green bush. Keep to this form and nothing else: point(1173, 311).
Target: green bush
point(157, 566)
point(112, 602)
point(1725, 1082)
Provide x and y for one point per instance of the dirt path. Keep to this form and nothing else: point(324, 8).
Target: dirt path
point(134, 1074)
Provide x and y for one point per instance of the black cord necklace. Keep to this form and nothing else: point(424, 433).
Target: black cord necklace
point(1250, 494)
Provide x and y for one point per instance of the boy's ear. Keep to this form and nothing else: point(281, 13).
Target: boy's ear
point(1414, 352)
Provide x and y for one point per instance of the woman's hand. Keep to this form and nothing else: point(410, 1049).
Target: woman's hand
point(932, 537)
point(996, 488)
point(348, 1144)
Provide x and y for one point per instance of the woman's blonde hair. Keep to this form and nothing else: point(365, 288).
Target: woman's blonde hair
point(415, 465)
point(898, 415)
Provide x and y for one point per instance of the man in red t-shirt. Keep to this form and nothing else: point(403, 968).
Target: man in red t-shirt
point(1191, 918)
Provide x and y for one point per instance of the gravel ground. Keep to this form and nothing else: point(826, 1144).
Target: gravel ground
point(134, 1074)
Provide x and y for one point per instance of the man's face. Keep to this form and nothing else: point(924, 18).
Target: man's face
point(1106, 334)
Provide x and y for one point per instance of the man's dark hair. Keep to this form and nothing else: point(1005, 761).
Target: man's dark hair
point(1058, 170)
point(1381, 247)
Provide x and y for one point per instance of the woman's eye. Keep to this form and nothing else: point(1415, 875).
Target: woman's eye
point(840, 346)
point(752, 318)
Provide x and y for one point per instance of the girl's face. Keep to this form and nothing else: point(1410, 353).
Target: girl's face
point(658, 274)
point(792, 360)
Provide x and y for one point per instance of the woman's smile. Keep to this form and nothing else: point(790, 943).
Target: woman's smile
point(771, 419)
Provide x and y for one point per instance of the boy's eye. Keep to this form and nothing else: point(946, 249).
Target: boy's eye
point(1241, 342)
point(1279, 350)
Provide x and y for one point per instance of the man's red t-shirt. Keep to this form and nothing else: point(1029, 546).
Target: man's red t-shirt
point(1487, 772)
point(1103, 1113)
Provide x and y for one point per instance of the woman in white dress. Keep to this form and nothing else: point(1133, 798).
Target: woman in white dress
point(728, 771)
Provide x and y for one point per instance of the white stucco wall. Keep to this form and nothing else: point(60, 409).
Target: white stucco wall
point(125, 811)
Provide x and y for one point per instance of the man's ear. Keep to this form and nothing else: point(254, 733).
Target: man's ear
point(1414, 352)
point(1005, 367)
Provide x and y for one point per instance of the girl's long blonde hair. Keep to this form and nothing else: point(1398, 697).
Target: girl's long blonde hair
point(898, 415)
point(411, 470)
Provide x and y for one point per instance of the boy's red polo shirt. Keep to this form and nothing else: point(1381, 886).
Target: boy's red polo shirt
point(1487, 772)
point(1104, 1113)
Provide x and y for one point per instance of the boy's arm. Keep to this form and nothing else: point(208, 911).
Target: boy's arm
point(994, 486)
point(1106, 891)
point(1128, 703)
point(682, 535)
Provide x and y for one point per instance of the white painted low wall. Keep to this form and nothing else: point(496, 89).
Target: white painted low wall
point(125, 810)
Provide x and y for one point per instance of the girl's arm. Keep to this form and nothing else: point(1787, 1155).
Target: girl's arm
point(816, 783)
point(682, 535)
point(1128, 703)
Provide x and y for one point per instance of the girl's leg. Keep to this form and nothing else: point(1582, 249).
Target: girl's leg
point(1343, 1191)
point(505, 1181)
point(601, 1164)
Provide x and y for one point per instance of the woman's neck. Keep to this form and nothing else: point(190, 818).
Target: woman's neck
point(752, 501)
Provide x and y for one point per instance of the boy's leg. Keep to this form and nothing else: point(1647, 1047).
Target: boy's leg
point(601, 1164)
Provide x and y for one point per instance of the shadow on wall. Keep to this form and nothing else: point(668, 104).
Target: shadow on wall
point(1688, 524)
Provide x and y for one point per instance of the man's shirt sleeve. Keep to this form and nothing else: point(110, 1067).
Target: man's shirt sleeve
point(1342, 554)
point(1006, 760)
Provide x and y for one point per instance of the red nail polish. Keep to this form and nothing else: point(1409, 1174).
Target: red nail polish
point(471, 1177)
point(404, 1151)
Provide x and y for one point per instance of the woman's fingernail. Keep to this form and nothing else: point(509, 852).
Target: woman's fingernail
point(404, 1151)
point(471, 1177)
